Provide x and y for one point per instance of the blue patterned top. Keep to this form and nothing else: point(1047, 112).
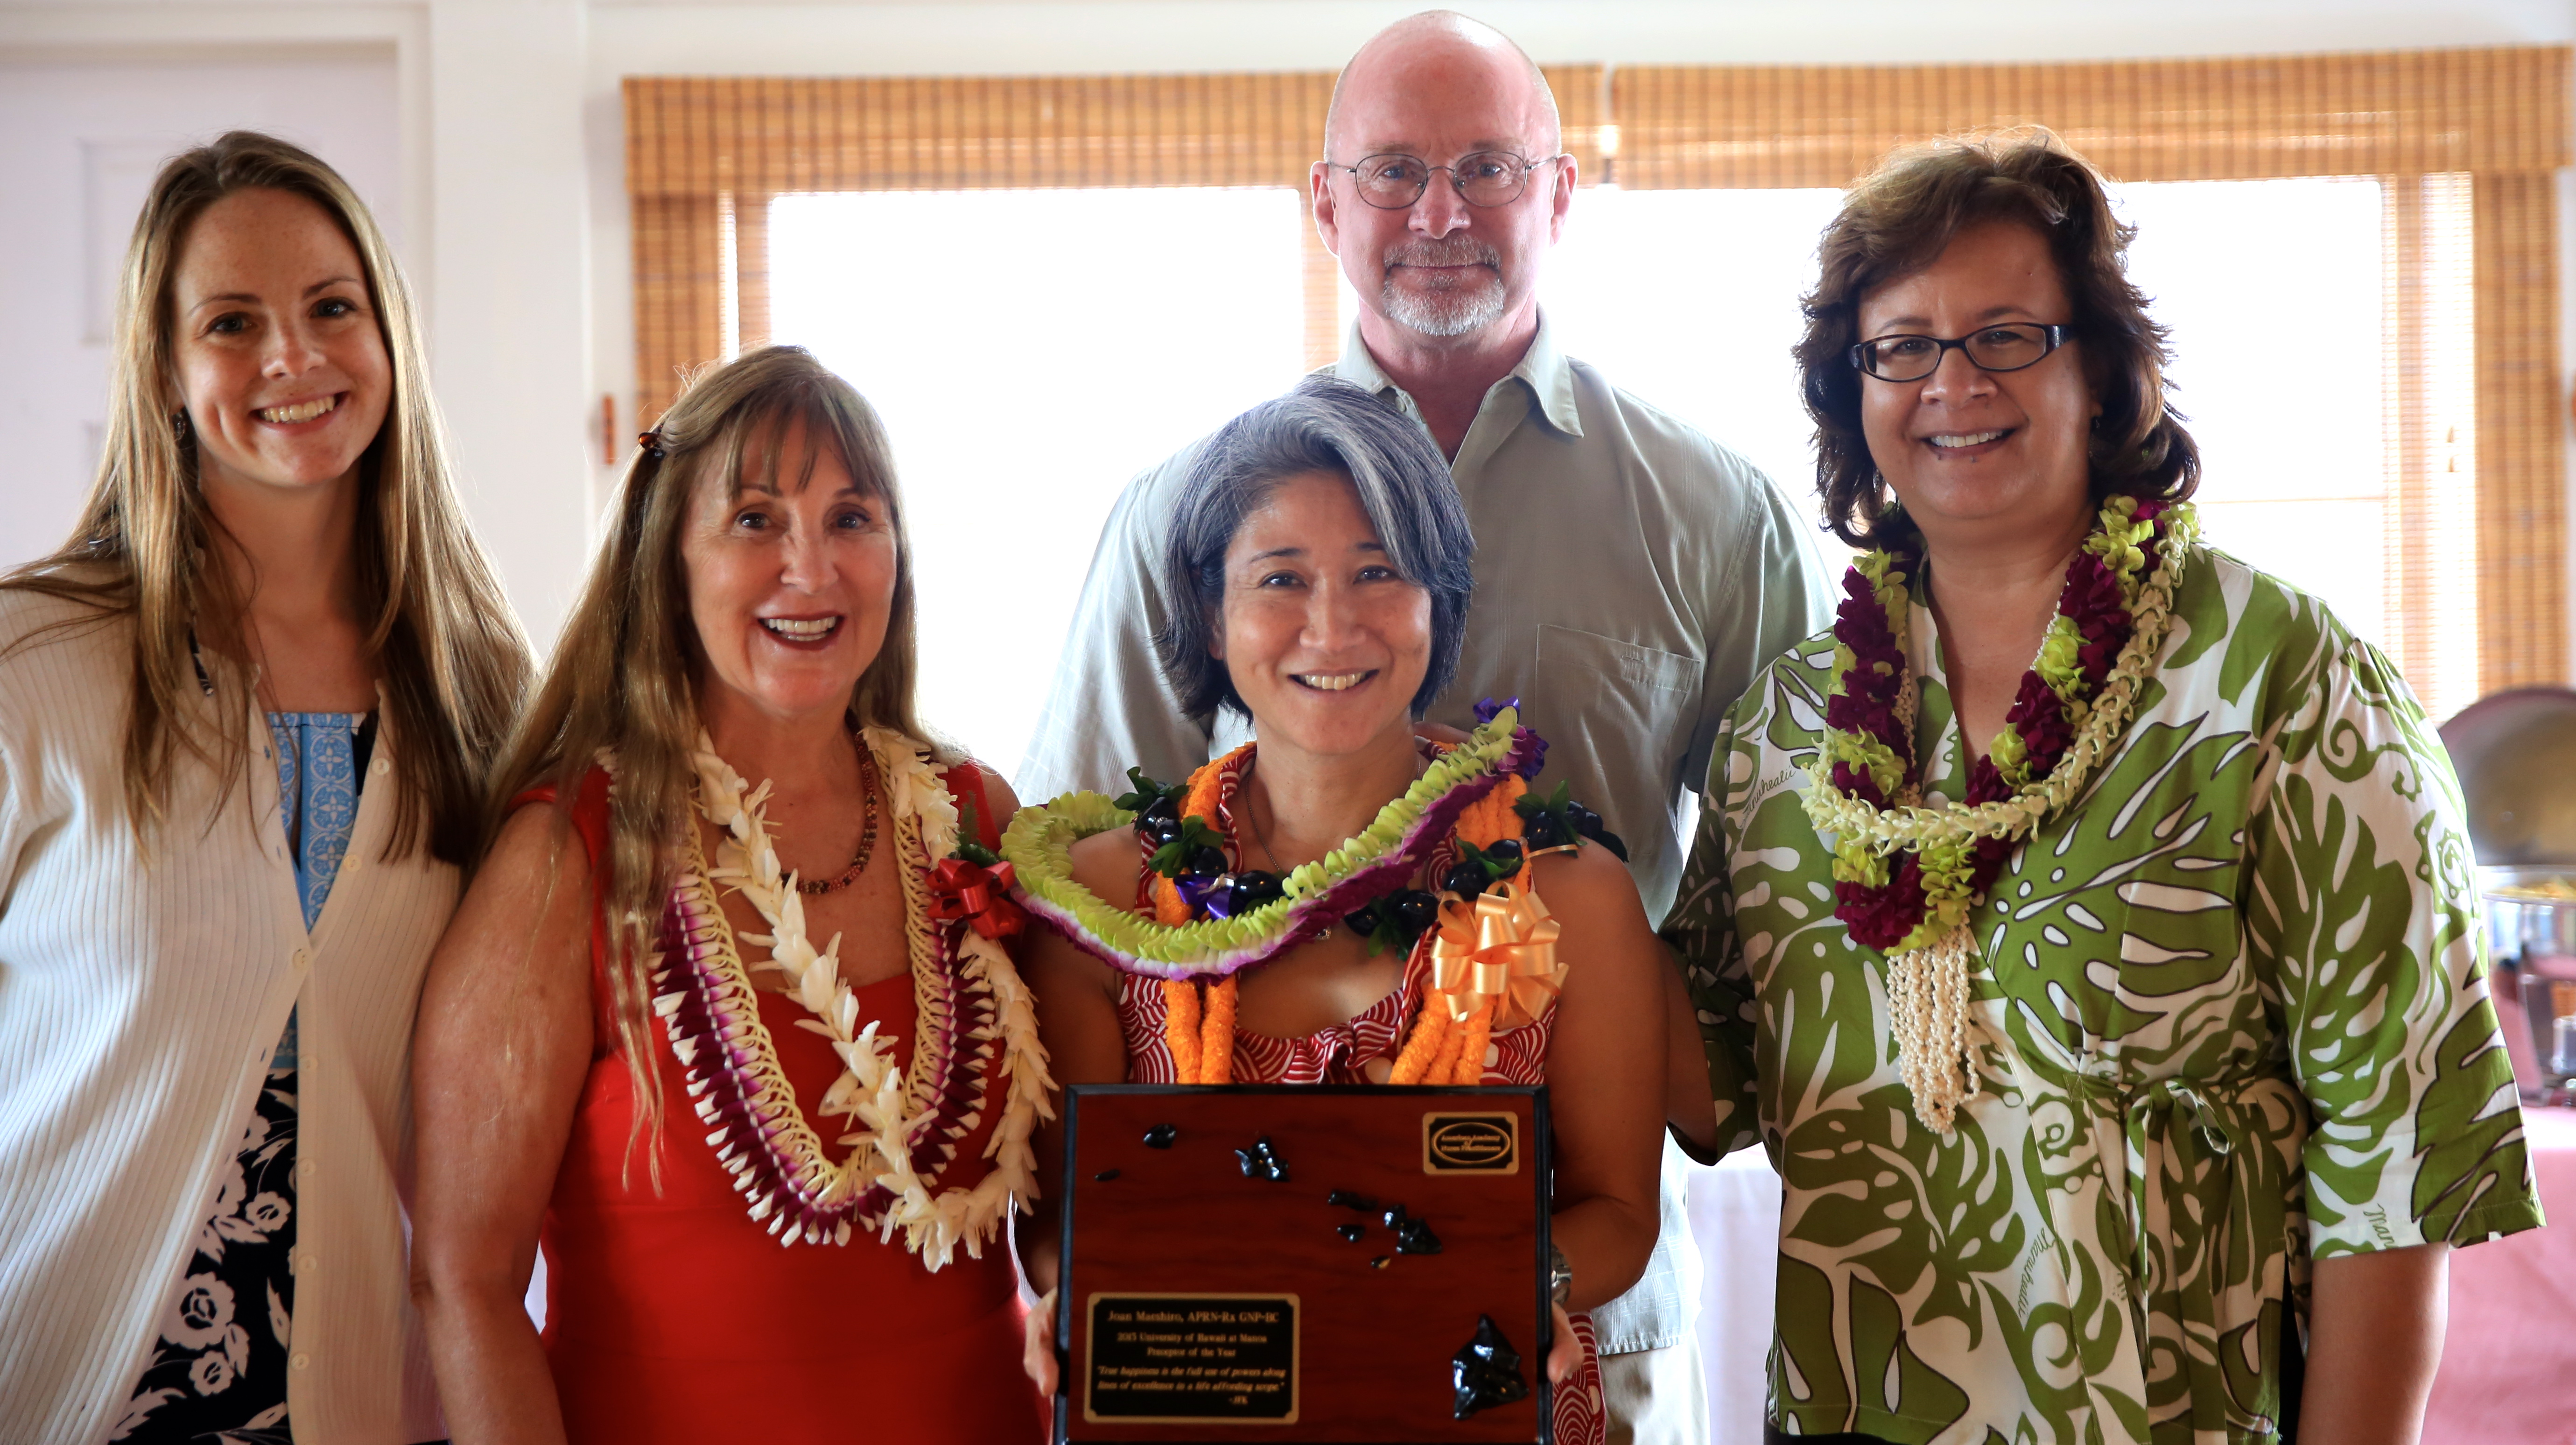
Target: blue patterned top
point(317, 796)
point(317, 790)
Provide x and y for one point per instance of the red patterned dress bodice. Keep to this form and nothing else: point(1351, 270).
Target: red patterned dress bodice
point(1357, 1052)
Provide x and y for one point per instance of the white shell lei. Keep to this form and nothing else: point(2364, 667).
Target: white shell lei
point(970, 1006)
point(1928, 989)
point(1927, 1012)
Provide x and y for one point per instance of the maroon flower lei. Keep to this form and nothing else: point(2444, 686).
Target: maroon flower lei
point(1881, 916)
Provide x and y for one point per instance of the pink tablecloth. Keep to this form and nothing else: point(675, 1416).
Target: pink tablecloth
point(2509, 1365)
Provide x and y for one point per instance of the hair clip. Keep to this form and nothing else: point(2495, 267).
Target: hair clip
point(651, 442)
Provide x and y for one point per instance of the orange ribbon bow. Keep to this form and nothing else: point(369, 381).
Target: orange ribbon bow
point(979, 895)
point(1502, 948)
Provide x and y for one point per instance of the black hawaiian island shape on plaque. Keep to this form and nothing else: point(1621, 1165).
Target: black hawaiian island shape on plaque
point(1486, 1371)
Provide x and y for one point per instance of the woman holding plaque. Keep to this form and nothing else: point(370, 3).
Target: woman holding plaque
point(1340, 901)
point(2085, 922)
point(733, 978)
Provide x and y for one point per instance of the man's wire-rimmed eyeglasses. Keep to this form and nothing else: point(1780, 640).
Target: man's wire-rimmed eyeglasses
point(1393, 182)
point(2008, 347)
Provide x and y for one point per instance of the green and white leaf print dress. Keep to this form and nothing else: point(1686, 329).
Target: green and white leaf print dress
point(2231, 1012)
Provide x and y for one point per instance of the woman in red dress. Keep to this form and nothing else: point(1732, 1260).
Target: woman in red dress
point(747, 1060)
point(1398, 911)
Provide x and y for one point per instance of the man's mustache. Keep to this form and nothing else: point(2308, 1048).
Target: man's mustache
point(1460, 251)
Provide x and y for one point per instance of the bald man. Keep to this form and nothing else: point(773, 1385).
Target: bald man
point(1632, 576)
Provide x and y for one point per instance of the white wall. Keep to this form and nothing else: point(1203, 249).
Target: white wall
point(510, 225)
point(1112, 36)
point(513, 152)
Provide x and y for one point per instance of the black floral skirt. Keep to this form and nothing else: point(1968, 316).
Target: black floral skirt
point(218, 1369)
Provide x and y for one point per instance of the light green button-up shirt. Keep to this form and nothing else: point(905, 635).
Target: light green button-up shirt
point(1632, 578)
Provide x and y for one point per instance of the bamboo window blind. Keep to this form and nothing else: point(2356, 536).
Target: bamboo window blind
point(704, 156)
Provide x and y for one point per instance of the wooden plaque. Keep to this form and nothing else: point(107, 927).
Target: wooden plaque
point(1203, 1300)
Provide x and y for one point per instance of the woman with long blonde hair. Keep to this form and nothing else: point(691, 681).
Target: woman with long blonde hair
point(734, 976)
point(244, 713)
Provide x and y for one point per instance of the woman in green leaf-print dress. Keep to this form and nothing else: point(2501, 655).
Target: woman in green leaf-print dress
point(2221, 1078)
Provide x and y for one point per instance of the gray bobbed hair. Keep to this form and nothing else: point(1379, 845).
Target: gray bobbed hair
point(1325, 425)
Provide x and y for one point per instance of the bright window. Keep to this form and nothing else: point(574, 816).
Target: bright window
point(1029, 353)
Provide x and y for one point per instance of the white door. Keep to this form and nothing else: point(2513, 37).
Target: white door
point(79, 145)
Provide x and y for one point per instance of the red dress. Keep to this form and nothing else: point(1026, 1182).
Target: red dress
point(674, 1316)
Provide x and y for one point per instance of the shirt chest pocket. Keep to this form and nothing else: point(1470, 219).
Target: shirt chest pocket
point(1618, 689)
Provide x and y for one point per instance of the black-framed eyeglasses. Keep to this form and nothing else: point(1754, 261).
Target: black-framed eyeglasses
point(1392, 181)
point(2008, 347)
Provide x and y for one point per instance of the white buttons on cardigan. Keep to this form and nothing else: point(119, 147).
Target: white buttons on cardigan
point(380, 767)
point(302, 1362)
point(303, 959)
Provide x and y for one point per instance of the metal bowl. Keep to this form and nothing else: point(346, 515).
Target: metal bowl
point(2516, 756)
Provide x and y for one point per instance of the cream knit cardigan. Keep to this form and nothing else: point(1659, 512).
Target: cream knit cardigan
point(139, 1005)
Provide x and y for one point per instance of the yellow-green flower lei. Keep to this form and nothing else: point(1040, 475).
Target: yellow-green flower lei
point(1941, 832)
point(1039, 845)
point(1928, 989)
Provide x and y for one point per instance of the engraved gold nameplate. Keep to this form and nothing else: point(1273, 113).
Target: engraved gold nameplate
point(1192, 1359)
point(1471, 1144)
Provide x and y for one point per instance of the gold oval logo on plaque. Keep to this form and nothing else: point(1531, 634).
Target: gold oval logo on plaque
point(1486, 1143)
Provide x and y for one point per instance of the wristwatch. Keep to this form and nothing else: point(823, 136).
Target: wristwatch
point(1560, 1277)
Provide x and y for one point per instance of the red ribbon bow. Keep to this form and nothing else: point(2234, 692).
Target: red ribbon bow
point(981, 896)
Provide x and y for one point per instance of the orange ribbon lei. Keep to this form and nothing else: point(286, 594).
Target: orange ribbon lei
point(1198, 1021)
point(1499, 950)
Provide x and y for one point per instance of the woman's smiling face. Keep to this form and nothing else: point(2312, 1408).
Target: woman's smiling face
point(1967, 449)
point(274, 343)
point(791, 576)
point(1325, 642)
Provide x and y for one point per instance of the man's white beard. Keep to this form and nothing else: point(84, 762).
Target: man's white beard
point(1449, 311)
point(1444, 310)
